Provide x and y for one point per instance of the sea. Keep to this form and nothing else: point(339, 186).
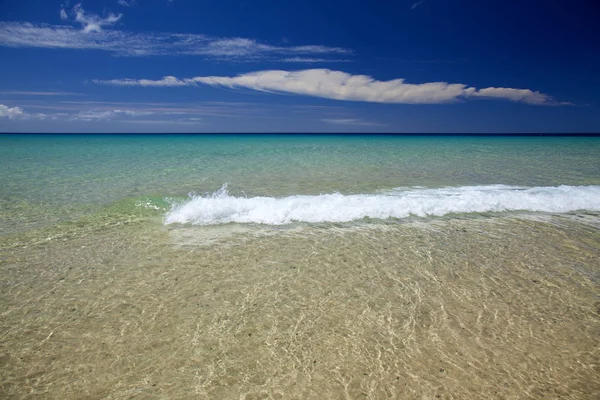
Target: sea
point(292, 266)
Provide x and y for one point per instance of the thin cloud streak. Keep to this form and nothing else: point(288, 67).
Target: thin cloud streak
point(93, 115)
point(350, 122)
point(134, 44)
point(340, 85)
point(123, 112)
point(312, 60)
point(30, 93)
point(417, 4)
point(189, 121)
point(127, 3)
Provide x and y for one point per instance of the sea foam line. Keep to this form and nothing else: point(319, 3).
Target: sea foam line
point(221, 208)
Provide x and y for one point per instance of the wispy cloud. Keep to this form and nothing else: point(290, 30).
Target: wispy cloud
point(30, 93)
point(340, 85)
point(350, 122)
point(135, 44)
point(519, 95)
point(308, 60)
point(89, 22)
point(127, 3)
point(97, 114)
point(417, 4)
point(166, 81)
point(91, 111)
point(183, 121)
point(94, 115)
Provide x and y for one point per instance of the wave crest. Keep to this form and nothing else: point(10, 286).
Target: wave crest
point(221, 208)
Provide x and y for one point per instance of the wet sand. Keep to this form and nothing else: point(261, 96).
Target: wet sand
point(478, 308)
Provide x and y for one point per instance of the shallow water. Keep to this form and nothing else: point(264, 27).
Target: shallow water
point(111, 302)
point(460, 308)
point(52, 178)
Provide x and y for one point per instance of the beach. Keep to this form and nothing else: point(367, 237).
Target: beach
point(302, 266)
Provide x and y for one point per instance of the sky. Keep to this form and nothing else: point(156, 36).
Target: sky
point(405, 66)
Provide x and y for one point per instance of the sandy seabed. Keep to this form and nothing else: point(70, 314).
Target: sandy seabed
point(479, 308)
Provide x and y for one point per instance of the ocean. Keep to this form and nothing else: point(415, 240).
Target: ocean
point(299, 266)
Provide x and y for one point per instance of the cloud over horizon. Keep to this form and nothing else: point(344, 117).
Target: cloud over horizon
point(136, 112)
point(340, 85)
point(92, 115)
point(350, 122)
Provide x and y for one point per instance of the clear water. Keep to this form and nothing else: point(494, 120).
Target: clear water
point(328, 267)
point(52, 178)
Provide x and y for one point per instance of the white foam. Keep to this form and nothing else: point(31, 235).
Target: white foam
point(221, 208)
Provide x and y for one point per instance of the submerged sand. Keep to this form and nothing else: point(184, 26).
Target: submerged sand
point(479, 308)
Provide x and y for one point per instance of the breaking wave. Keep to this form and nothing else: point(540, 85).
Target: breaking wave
point(221, 208)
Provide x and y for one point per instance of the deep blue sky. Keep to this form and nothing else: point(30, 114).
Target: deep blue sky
point(310, 66)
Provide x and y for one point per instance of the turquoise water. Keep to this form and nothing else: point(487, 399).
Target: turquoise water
point(52, 178)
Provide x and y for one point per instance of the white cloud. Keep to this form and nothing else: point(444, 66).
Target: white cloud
point(523, 95)
point(63, 14)
point(123, 43)
point(10, 112)
point(167, 81)
point(340, 85)
point(17, 113)
point(92, 22)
